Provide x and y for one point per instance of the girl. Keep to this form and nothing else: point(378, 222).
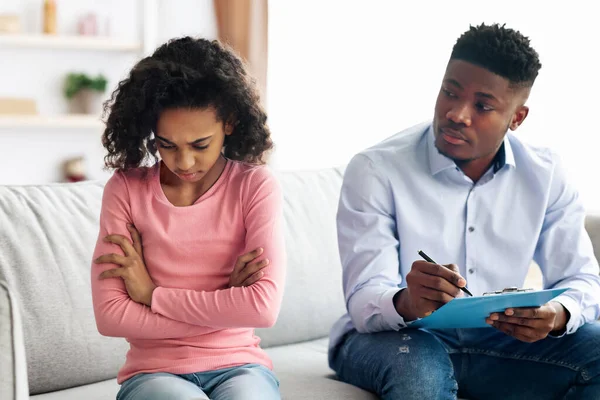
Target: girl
point(184, 300)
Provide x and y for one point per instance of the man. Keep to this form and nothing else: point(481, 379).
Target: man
point(468, 193)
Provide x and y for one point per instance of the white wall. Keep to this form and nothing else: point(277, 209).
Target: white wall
point(36, 155)
point(186, 17)
point(343, 75)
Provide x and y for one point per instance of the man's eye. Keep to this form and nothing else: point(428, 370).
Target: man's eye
point(484, 107)
point(448, 93)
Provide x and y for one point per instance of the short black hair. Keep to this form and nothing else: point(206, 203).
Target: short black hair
point(185, 73)
point(500, 50)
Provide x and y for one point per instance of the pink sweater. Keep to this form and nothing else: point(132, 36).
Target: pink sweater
point(196, 323)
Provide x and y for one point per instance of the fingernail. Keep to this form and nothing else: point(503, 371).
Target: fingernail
point(494, 317)
point(509, 312)
point(261, 274)
point(260, 249)
point(462, 282)
point(267, 261)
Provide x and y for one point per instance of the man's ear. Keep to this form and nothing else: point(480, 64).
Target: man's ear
point(519, 117)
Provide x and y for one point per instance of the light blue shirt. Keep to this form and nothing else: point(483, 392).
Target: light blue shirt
point(402, 196)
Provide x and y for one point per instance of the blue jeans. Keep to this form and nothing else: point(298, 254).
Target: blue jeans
point(247, 382)
point(470, 363)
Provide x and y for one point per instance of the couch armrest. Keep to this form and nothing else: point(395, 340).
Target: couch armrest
point(13, 364)
point(592, 226)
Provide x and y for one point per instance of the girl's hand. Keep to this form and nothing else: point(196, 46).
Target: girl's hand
point(246, 272)
point(131, 268)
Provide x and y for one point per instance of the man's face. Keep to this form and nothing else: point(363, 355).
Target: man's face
point(474, 110)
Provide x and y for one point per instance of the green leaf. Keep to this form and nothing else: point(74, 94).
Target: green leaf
point(76, 82)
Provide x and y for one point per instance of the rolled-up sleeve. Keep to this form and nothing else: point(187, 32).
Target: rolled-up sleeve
point(368, 244)
point(565, 255)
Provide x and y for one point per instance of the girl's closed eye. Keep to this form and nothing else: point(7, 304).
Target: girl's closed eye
point(165, 146)
point(170, 147)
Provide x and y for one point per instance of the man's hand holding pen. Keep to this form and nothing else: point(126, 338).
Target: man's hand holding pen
point(428, 287)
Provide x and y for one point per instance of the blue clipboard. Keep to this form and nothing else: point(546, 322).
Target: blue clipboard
point(471, 312)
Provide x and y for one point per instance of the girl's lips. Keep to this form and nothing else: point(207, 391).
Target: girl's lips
point(188, 177)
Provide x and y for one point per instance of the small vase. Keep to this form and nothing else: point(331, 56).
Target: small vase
point(86, 101)
point(49, 21)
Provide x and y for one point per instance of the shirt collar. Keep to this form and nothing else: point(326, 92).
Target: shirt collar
point(509, 157)
point(439, 162)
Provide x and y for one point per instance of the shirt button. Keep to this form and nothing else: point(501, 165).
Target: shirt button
point(471, 270)
point(471, 229)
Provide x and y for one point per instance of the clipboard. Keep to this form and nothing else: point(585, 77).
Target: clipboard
point(471, 312)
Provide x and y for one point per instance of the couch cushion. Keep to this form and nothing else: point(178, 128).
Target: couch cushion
point(301, 368)
point(46, 243)
point(104, 390)
point(313, 298)
point(304, 374)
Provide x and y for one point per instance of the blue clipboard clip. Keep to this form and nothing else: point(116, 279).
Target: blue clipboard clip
point(471, 312)
point(512, 289)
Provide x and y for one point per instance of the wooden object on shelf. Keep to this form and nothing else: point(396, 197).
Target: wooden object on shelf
point(50, 17)
point(91, 122)
point(10, 23)
point(16, 106)
point(68, 42)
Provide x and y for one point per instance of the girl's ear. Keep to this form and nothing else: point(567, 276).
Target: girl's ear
point(228, 128)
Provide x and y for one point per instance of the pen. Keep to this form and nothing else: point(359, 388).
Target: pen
point(428, 259)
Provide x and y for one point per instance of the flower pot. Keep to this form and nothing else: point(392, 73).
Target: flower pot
point(86, 101)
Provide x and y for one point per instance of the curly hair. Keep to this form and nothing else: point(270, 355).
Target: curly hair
point(184, 73)
point(501, 50)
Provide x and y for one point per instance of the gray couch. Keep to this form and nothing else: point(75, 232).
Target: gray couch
point(47, 236)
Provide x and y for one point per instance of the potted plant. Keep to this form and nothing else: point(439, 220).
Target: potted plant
point(85, 92)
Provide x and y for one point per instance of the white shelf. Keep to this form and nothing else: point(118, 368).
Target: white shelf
point(68, 42)
point(59, 121)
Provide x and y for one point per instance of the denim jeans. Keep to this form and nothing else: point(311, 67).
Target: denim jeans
point(246, 382)
point(470, 363)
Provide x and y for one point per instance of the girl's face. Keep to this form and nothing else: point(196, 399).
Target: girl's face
point(190, 141)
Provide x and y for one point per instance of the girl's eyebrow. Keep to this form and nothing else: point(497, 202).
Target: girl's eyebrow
point(197, 141)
